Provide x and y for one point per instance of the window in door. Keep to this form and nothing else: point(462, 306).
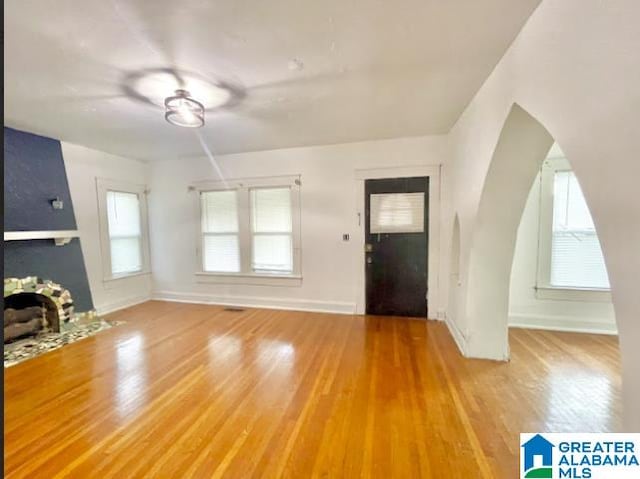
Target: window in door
point(397, 213)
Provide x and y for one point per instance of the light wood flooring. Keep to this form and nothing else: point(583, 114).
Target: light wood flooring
point(186, 390)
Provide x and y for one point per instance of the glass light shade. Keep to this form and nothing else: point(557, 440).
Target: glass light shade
point(182, 110)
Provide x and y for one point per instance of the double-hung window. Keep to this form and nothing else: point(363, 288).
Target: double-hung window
point(220, 234)
point(123, 226)
point(570, 258)
point(576, 257)
point(271, 230)
point(250, 231)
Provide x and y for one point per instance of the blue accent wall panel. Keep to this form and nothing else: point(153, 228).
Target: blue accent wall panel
point(34, 174)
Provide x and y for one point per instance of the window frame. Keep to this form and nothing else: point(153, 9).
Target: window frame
point(255, 233)
point(237, 233)
point(103, 186)
point(246, 275)
point(544, 288)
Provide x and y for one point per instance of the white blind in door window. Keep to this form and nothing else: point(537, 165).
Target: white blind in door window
point(396, 213)
point(220, 243)
point(576, 257)
point(272, 230)
point(125, 232)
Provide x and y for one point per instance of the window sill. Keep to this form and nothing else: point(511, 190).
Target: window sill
point(119, 277)
point(573, 294)
point(249, 279)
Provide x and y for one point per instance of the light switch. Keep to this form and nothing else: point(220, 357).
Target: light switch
point(345, 237)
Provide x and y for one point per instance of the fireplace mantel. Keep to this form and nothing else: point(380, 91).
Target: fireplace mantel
point(60, 237)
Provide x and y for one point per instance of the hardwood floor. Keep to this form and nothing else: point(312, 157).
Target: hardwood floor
point(185, 390)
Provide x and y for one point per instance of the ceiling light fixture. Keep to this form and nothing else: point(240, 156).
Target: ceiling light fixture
point(182, 110)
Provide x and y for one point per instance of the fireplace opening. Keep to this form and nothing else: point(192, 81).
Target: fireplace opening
point(27, 314)
point(33, 305)
point(39, 316)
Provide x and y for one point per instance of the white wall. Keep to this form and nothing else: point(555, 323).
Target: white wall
point(529, 311)
point(574, 67)
point(83, 166)
point(330, 266)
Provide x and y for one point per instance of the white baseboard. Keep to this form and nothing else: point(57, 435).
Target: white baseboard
point(457, 335)
point(561, 323)
point(121, 304)
point(257, 302)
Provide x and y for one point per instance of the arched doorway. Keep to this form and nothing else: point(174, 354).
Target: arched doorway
point(521, 148)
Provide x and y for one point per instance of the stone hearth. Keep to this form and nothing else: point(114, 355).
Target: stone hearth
point(63, 325)
point(28, 348)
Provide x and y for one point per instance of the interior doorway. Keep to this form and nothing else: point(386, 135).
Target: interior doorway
point(559, 278)
point(550, 273)
point(560, 306)
point(396, 246)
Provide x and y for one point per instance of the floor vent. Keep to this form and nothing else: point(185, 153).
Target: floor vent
point(234, 310)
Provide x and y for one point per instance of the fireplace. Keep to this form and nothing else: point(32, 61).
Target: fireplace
point(33, 305)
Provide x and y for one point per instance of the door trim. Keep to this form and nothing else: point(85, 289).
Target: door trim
point(433, 278)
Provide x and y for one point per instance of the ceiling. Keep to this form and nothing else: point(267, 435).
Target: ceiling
point(305, 72)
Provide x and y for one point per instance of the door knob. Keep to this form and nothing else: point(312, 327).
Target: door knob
point(369, 260)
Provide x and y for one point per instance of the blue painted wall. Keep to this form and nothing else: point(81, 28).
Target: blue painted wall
point(34, 174)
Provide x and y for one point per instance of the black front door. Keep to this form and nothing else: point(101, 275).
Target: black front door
point(396, 239)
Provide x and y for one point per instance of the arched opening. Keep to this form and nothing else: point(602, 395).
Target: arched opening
point(560, 306)
point(26, 299)
point(559, 280)
point(518, 158)
point(522, 147)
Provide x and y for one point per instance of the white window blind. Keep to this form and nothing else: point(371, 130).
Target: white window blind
point(272, 230)
point(397, 213)
point(576, 257)
point(125, 232)
point(220, 242)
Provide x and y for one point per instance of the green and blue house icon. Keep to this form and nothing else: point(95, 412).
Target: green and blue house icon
point(539, 447)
